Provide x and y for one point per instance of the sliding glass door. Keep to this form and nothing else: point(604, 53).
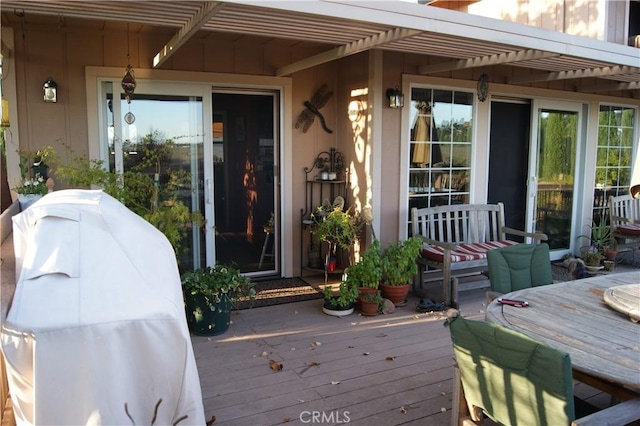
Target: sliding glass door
point(224, 173)
point(552, 172)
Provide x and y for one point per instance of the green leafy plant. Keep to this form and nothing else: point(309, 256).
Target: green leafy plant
point(592, 258)
point(599, 236)
point(367, 272)
point(140, 191)
point(34, 167)
point(399, 261)
point(338, 228)
point(216, 283)
point(346, 295)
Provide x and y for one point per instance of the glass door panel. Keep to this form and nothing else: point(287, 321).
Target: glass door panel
point(159, 135)
point(244, 183)
point(553, 178)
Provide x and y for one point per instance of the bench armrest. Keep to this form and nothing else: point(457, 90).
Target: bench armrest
point(619, 414)
point(446, 246)
point(620, 219)
point(536, 236)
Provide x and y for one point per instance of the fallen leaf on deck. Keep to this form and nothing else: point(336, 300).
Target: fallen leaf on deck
point(335, 382)
point(390, 358)
point(351, 347)
point(382, 335)
point(265, 353)
point(403, 410)
point(416, 317)
point(286, 420)
point(444, 410)
point(316, 344)
point(275, 365)
point(366, 353)
point(211, 420)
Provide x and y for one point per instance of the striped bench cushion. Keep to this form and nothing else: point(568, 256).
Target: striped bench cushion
point(465, 252)
point(629, 229)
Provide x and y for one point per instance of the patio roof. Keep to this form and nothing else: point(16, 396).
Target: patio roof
point(456, 40)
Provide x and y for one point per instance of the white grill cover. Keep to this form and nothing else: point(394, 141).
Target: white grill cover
point(97, 319)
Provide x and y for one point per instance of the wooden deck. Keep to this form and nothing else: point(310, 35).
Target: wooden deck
point(386, 370)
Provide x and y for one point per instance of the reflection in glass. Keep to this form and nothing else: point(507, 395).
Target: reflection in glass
point(557, 144)
point(440, 147)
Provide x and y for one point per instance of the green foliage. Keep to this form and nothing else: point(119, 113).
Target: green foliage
point(373, 297)
point(136, 189)
point(399, 261)
point(214, 283)
point(346, 296)
point(592, 258)
point(46, 155)
point(338, 228)
point(368, 271)
point(600, 237)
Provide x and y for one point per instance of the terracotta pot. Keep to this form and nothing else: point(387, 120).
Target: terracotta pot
point(396, 293)
point(362, 291)
point(368, 309)
point(610, 254)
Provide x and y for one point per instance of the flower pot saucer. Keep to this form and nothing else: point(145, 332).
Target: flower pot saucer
point(593, 268)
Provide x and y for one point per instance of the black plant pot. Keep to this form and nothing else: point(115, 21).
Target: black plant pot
point(204, 321)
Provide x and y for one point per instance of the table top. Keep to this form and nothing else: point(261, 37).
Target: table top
point(573, 317)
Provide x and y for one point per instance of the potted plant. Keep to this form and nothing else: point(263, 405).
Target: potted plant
point(209, 297)
point(34, 175)
point(339, 229)
point(370, 304)
point(367, 272)
point(341, 303)
point(600, 238)
point(592, 260)
point(398, 269)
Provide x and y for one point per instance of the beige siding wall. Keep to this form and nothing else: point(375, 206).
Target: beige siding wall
point(596, 19)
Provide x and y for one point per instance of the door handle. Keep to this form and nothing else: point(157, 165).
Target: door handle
point(207, 192)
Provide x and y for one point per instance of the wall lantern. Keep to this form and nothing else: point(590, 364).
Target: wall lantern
point(396, 98)
point(50, 91)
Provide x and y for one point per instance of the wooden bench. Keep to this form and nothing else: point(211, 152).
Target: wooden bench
point(624, 213)
point(457, 237)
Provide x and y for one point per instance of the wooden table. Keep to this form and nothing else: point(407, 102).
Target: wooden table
point(604, 345)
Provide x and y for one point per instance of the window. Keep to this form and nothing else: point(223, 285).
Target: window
point(614, 156)
point(440, 147)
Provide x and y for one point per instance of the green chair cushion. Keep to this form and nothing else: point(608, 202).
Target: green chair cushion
point(519, 266)
point(511, 377)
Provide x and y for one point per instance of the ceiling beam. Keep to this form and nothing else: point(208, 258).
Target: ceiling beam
point(348, 49)
point(611, 87)
point(565, 75)
point(195, 23)
point(482, 61)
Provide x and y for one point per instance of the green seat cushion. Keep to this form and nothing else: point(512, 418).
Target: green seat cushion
point(514, 379)
point(519, 266)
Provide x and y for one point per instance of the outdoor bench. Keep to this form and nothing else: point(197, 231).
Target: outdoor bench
point(625, 221)
point(457, 237)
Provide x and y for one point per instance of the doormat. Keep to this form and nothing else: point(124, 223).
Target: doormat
point(277, 292)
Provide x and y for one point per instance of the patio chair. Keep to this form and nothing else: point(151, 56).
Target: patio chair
point(515, 380)
point(625, 221)
point(516, 267)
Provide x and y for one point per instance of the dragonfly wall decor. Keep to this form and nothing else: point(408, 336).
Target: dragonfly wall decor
point(317, 101)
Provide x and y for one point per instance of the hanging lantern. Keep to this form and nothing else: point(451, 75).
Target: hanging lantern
point(128, 84)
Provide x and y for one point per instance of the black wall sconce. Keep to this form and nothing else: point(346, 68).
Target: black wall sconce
point(396, 98)
point(50, 91)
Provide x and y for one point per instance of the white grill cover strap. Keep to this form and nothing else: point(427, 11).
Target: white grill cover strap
point(97, 319)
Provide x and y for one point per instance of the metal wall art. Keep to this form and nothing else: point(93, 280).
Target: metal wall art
point(318, 100)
